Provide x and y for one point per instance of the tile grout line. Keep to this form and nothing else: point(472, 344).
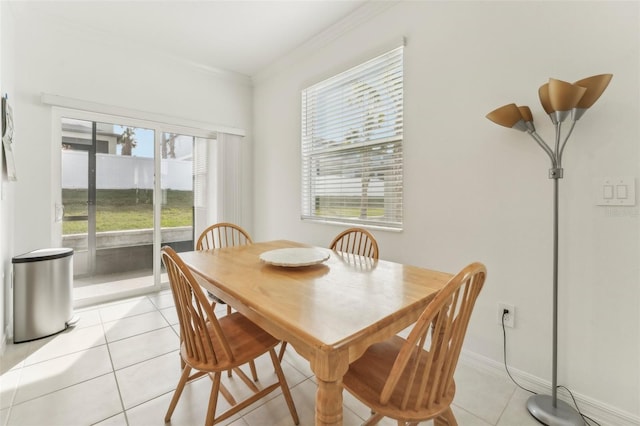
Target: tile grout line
point(113, 370)
point(15, 392)
point(140, 334)
point(515, 389)
point(57, 390)
point(168, 324)
point(132, 316)
point(60, 355)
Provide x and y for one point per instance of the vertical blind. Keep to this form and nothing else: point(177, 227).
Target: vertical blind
point(201, 199)
point(352, 127)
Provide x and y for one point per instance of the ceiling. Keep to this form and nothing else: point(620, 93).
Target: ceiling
point(239, 36)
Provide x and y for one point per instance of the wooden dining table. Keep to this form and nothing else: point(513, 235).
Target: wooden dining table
point(329, 312)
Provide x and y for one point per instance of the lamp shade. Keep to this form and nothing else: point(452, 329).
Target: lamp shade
point(508, 116)
point(595, 86)
point(564, 96)
point(543, 94)
point(525, 112)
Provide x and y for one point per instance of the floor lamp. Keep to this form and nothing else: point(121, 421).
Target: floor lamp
point(562, 101)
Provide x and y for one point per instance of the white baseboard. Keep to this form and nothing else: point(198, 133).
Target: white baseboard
point(604, 414)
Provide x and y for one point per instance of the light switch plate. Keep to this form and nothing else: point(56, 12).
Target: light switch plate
point(615, 191)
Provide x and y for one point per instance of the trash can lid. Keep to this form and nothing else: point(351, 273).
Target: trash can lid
point(43, 254)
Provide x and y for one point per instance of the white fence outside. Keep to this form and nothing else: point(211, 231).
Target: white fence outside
point(124, 172)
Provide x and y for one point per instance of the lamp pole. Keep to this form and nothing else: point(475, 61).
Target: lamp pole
point(554, 374)
point(548, 409)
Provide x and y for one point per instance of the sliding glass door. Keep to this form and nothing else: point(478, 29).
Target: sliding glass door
point(126, 190)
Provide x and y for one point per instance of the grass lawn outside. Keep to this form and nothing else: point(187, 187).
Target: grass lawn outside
point(125, 209)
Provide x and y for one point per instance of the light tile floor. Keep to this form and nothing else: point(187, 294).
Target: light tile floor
point(120, 365)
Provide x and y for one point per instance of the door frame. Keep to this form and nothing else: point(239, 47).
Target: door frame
point(90, 149)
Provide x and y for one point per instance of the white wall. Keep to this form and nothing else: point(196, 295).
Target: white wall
point(477, 191)
point(56, 59)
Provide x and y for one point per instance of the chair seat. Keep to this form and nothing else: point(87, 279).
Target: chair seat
point(246, 340)
point(367, 376)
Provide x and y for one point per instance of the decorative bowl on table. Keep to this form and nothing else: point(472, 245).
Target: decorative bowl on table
point(294, 257)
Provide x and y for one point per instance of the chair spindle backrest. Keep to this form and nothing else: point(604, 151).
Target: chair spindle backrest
point(356, 241)
point(222, 235)
point(200, 332)
point(429, 357)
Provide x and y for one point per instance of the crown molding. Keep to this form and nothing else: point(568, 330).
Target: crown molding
point(356, 18)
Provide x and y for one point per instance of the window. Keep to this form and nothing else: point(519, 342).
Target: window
point(352, 126)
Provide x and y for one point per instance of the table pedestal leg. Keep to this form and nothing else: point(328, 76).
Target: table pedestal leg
point(329, 369)
point(329, 403)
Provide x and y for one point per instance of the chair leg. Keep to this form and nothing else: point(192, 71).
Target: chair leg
point(254, 372)
point(283, 346)
point(213, 400)
point(252, 366)
point(285, 387)
point(176, 395)
point(445, 419)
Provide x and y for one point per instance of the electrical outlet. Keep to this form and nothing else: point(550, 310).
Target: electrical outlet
point(509, 317)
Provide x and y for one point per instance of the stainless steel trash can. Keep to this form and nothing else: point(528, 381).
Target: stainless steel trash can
point(42, 293)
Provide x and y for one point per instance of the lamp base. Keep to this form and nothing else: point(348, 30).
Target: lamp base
point(541, 407)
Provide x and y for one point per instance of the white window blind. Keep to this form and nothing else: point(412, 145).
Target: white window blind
point(352, 145)
point(201, 197)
